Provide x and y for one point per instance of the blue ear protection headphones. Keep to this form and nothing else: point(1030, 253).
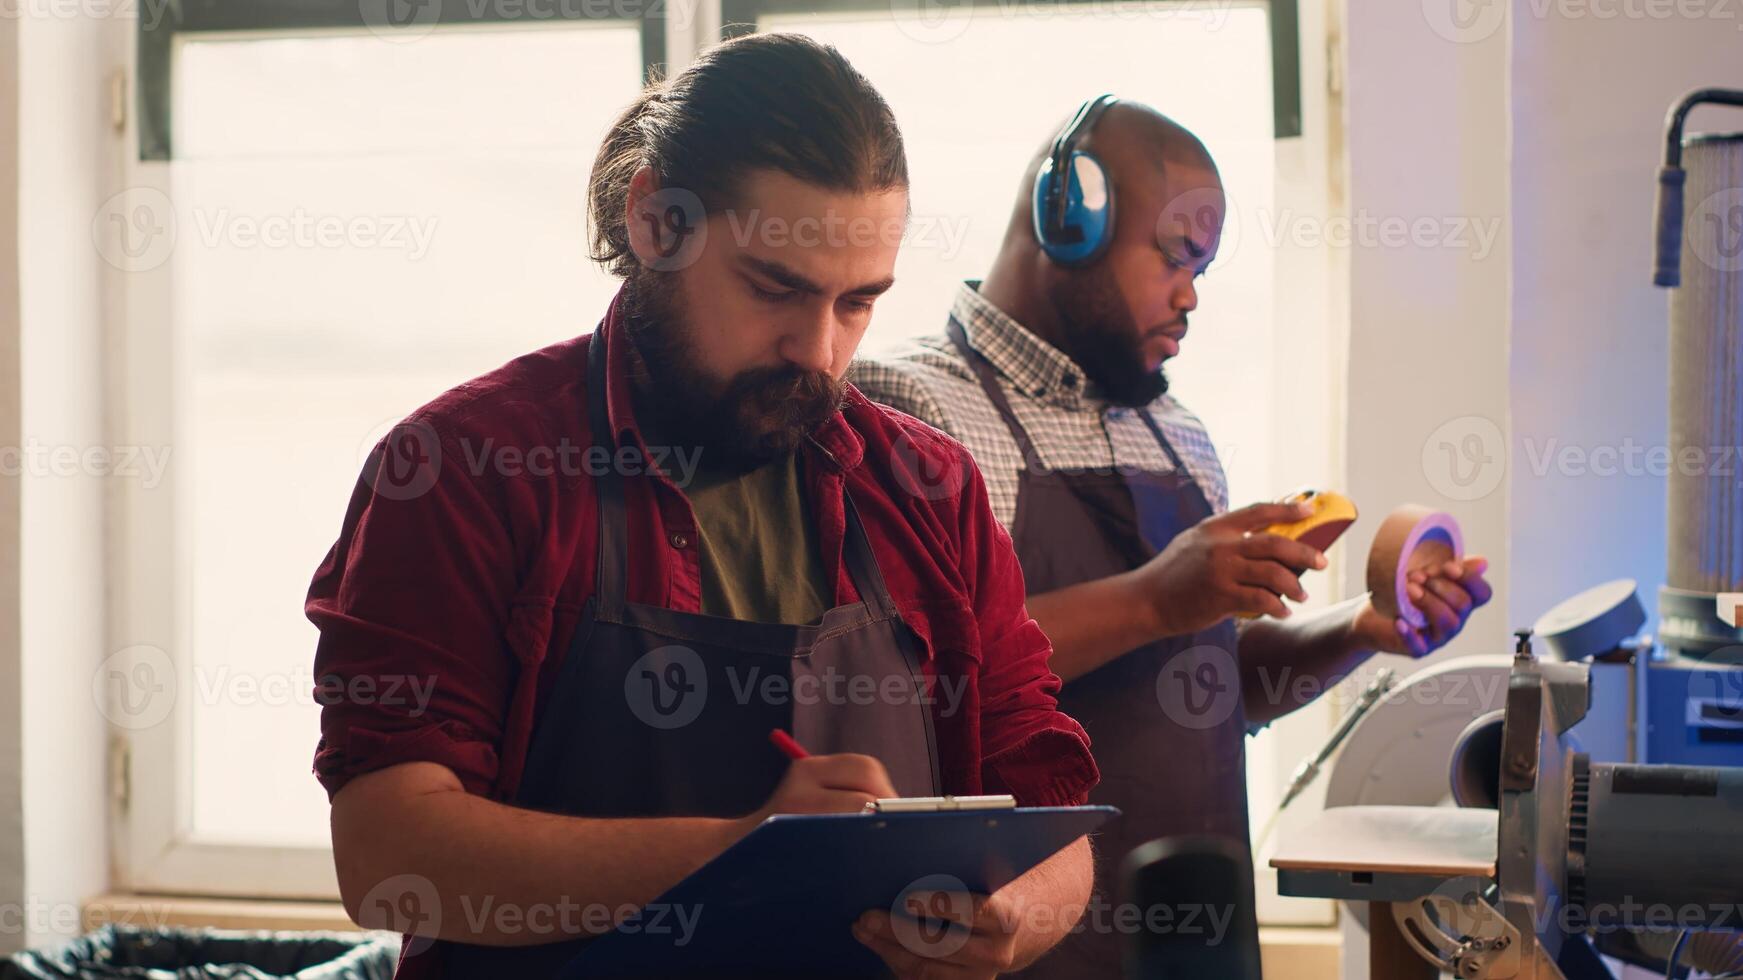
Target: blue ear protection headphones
point(1074, 199)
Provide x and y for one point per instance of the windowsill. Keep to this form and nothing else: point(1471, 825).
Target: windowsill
point(216, 913)
point(1290, 953)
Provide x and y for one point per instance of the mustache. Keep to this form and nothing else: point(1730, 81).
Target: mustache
point(787, 396)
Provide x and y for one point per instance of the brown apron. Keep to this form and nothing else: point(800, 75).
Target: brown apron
point(1164, 720)
point(659, 713)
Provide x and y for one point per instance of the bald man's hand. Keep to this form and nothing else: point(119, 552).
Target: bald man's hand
point(1225, 566)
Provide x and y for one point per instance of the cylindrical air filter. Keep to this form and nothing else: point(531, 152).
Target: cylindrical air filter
point(1706, 373)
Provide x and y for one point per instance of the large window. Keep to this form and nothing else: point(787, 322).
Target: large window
point(359, 222)
point(972, 116)
point(329, 225)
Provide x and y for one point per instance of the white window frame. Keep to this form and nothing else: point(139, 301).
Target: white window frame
point(152, 844)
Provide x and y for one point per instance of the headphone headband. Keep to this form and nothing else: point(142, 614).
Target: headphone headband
point(1063, 146)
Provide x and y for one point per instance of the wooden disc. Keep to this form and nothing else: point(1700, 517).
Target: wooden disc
point(1411, 538)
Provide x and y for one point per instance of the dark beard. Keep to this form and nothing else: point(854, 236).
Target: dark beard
point(1102, 338)
point(755, 417)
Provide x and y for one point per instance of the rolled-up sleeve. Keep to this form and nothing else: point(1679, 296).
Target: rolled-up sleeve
point(412, 664)
point(1029, 748)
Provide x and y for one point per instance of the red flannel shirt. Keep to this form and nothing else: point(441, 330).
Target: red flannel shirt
point(467, 556)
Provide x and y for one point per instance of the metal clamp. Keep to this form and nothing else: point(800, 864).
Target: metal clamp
point(1457, 929)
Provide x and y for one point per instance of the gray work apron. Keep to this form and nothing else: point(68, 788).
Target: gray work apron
point(660, 713)
point(1164, 720)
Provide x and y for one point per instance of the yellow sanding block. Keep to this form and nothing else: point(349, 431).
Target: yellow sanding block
point(1333, 513)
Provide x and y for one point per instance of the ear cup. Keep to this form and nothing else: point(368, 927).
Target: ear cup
point(1088, 220)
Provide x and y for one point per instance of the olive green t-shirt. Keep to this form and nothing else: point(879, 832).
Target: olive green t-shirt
point(758, 548)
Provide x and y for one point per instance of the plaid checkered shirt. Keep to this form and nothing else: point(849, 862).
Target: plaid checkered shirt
point(1069, 422)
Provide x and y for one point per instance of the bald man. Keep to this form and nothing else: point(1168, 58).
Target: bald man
point(1050, 371)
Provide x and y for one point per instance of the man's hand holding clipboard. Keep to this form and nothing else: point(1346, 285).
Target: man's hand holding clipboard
point(962, 933)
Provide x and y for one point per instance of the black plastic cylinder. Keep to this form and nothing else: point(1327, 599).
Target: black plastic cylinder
point(1657, 846)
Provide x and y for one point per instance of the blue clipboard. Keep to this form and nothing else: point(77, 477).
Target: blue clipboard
point(781, 902)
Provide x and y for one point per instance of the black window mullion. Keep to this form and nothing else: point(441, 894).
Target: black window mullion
point(157, 33)
point(740, 17)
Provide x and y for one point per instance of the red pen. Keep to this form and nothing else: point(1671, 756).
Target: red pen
point(790, 748)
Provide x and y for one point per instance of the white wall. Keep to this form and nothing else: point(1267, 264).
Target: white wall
point(1547, 114)
point(65, 166)
point(1425, 145)
point(1589, 329)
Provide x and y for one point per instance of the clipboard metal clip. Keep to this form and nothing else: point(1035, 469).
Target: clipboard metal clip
point(941, 804)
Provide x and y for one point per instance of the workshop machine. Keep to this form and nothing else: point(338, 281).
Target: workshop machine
point(1500, 838)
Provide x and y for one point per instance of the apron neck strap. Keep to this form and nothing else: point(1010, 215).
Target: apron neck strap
point(995, 392)
point(613, 552)
point(862, 565)
point(1149, 417)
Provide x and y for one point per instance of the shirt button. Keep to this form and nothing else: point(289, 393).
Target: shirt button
point(680, 539)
